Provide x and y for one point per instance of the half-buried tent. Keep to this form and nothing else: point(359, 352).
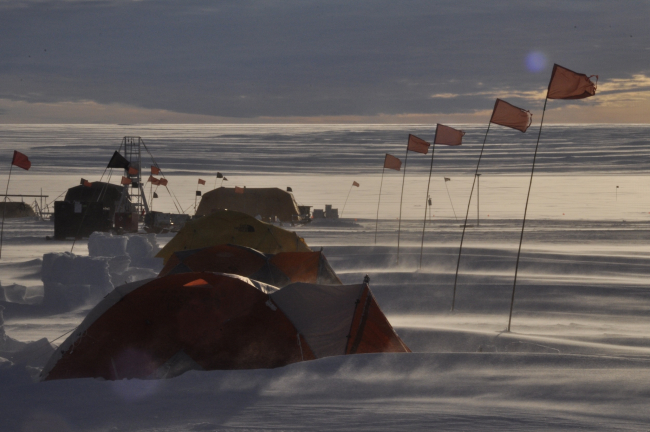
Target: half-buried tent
point(205, 321)
point(231, 227)
point(268, 203)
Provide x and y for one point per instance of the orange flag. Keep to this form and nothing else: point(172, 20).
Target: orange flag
point(153, 180)
point(448, 136)
point(162, 182)
point(506, 114)
point(239, 190)
point(125, 180)
point(86, 183)
point(21, 161)
point(566, 84)
point(133, 171)
point(391, 162)
point(155, 170)
point(355, 184)
point(201, 181)
point(418, 145)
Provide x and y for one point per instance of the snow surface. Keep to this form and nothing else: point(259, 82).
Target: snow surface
point(578, 355)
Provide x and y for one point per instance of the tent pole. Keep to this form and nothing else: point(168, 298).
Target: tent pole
point(399, 224)
point(462, 237)
point(426, 201)
point(450, 202)
point(4, 208)
point(523, 224)
point(346, 201)
point(379, 200)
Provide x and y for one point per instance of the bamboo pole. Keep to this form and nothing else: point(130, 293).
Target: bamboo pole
point(523, 224)
point(424, 222)
point(379, 200)
point(346, 200)
point(462, 237)
point(399, 224)
point(4, 209)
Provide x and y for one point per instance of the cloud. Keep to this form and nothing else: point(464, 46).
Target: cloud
point(309, 59)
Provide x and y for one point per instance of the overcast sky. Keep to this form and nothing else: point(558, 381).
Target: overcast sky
point(317, 61)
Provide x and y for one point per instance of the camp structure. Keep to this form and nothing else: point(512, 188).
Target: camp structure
point(268, 203)
point(16, 209)
point(231, 227)
point(278, 270)
point(163, 327)
point(86, 209)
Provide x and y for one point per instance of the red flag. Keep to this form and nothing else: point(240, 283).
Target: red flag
point(153, 180)
point(155, 170)
point(133, 171)
point(20, 160)
point(201, 181)
point(391, 162)
point(566, 84)
point(85, 182)
point(162, 182)
point(448, 136)
point(125, 180)
point(355, 184)
point(506, 114)
point(418, 145)
point(239, 190)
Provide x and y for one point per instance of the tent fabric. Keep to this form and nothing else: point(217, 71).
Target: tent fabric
point(265, 202)
point(219, 321)
point(370, 330)
point(163, 327)
point(16, 209)
point(323, 313)
point(231, 227)
point(279, 270)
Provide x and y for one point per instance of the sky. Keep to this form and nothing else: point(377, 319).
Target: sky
point(317, 61)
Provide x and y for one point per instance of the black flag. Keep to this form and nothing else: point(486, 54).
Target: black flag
point(219, 175)
point(155, 195)
point(198, 193)
point(225, 179)
point(118, 161)
point(291, 190)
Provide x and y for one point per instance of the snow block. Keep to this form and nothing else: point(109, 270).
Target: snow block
point(13, 293)
point(106, 245)
point(70, 281)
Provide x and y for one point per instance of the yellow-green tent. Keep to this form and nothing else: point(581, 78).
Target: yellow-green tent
point(231, 227)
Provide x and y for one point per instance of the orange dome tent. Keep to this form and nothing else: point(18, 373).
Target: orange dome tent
point(162, 327)
point(279, 270)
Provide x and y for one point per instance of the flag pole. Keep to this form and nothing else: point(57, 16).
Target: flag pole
point(4, 208)
point(523, 224)
point(379, 200)
point(399, 224)
point(450, 201)
point(462, 237)
point(426, 201)
point(346, 200)
point(195, 193)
